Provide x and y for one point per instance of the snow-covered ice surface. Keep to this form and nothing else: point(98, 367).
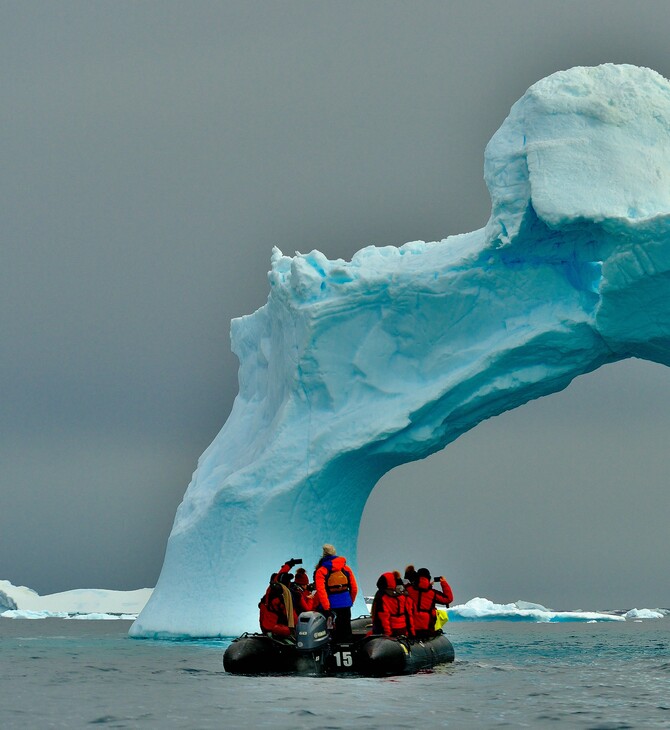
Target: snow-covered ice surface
point(22, 602)
point(352, 368)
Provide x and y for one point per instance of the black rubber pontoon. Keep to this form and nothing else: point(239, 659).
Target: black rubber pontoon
point(374, 656)
point(379, 656)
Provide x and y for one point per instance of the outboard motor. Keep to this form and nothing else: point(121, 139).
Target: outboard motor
point(311, 631)
point(312, 642)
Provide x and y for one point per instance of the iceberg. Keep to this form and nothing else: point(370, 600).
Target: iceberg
point(641, 613)
point(23, 602)
point(354, 367)
point(482, 609)
point(30, 614)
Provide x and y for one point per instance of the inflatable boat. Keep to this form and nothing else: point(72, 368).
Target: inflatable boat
point(313, 652)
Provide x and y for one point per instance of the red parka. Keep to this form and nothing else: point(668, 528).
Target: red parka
point(275, 607)
point(424, 598)
point(303, 600)
point(273, 616)
point(392, 613)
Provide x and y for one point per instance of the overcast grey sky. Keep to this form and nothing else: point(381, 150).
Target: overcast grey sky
point(153, 153)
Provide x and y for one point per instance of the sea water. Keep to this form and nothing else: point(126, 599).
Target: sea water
point(58, 673)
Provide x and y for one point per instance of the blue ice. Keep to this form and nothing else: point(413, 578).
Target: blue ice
point(354, 367)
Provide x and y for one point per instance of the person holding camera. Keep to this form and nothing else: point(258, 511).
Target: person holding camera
point(278, 615)
point(425, 598)
point(336, 591)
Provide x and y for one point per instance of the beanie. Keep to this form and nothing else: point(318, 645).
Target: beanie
point(301, 577)
point(423, 573)
point(328, 550)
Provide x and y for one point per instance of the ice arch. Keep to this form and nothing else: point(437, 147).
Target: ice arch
point(352, 368)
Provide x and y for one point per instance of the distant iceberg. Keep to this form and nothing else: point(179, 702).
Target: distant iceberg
point(640, 613)
point(29, 614)
point(481, 609)
point(354, 367)
point(22, 602)
point(103, 617)
point(95, 616)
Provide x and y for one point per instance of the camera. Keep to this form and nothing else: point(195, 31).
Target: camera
point(296, 561)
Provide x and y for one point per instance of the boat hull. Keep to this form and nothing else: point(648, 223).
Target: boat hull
point(373, 656)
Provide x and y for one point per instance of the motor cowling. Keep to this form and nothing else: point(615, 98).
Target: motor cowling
point(311, 631)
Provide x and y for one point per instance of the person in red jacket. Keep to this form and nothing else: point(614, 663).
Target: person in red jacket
point(278, 616)
point(336, 591)
point(392, 610)
point(425, 597)
point(303, 598)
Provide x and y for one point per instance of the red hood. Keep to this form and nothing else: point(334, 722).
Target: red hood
point(387, 578)
point(337, 562)
point(424, 583)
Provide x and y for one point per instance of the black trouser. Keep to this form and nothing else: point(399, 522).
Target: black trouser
point(342, 632)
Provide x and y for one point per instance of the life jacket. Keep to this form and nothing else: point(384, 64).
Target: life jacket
point(424, 597)
point(337, 582)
